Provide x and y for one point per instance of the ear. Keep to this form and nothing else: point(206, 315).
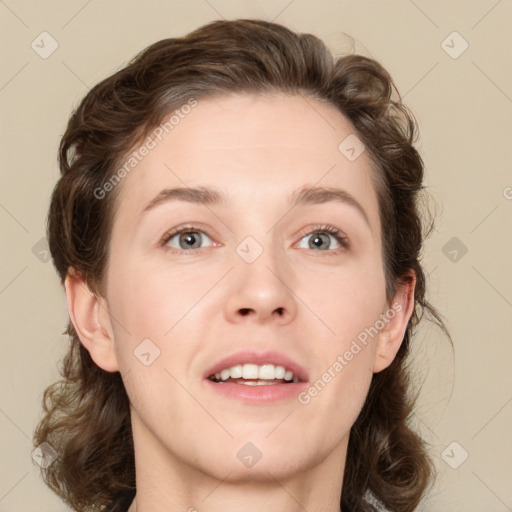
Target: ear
point(396, 318)
point(91, 319)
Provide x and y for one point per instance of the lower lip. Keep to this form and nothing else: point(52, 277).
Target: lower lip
point(257, 394)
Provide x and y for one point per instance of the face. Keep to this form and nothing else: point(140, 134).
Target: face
point(263, 269)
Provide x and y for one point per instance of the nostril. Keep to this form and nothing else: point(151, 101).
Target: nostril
point(245, 311)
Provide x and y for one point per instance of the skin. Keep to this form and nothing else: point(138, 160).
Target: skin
point(258, 150)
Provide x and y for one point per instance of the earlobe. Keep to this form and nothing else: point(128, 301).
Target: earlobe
point(395, 318)
point(89, 315)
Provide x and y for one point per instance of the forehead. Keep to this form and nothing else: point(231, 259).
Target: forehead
point(256, 148)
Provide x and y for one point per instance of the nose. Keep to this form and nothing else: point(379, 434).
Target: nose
point(262, 291)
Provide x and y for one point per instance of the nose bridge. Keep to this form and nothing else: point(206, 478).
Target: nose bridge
point(262, 278)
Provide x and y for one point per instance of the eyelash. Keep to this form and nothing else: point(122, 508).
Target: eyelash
point(336, 233)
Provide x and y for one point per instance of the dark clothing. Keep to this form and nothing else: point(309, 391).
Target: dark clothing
point(122, 502)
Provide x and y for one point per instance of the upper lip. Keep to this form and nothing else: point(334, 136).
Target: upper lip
point(259, 358)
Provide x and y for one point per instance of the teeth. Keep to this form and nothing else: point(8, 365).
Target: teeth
point(235, 372)
point(267, 371)
point(279, 372)
point(249, 371)
point(256, 373)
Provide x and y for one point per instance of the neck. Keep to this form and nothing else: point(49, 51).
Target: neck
point(165, 483)
point(222, 497)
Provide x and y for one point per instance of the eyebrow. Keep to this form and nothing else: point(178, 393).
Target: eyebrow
point(300, 197)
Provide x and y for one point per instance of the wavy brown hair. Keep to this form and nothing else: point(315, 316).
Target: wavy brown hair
point(86, 414)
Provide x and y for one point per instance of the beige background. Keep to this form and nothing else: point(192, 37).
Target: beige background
point(464, 108)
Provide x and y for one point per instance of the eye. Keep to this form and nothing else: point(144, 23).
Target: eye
point(321, 239)
point(185, 238)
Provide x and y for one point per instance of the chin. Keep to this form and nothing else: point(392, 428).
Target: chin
point(269, 467)
point(255, 458)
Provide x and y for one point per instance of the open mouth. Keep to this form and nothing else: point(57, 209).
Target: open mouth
point(255, 375)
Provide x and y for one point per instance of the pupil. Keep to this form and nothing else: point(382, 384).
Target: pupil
point(317, 240)
point(189, 239)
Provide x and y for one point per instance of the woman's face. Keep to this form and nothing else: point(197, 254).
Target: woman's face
point(260, 280)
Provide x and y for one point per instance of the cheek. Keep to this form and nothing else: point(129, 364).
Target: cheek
point(345, 300)
point(162, 409)
point(155, 340)
point(158, 321)
point(336, 394)
point(348, 307)
point(151, 301)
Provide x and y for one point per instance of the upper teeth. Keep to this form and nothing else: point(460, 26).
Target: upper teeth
point(253, 371)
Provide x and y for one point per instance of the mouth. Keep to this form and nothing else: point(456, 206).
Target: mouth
point(256, 377)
